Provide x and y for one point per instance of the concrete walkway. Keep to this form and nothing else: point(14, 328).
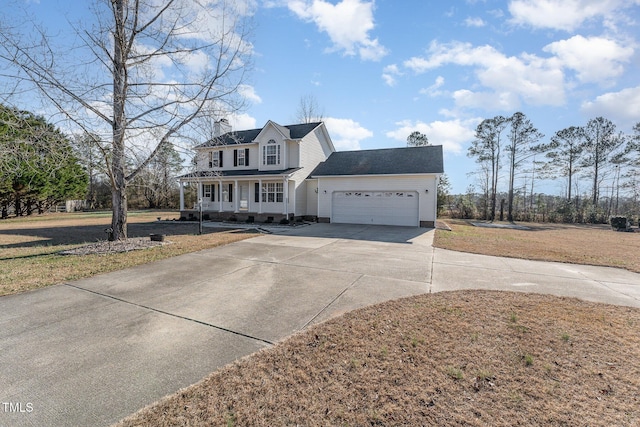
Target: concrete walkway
point(95, 350)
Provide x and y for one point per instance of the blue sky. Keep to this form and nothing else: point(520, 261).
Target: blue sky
point(382, 69)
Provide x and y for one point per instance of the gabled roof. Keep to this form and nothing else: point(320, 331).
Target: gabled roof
point(298, 131)
point(388, 161)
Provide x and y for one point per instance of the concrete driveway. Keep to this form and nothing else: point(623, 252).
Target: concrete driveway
point(95, 350)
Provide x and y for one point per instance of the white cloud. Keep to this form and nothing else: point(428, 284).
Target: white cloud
point(474, 22)
point(196, 62)
point(242, 121)
point(249, 92)
point(595, 59)
point(622, 107)
point(346, 134)
point(347, 23)
point(389, 74)
point(503, 101)
point(529, 78)
point(451, 134)
point(432, 90)
point(566, 14)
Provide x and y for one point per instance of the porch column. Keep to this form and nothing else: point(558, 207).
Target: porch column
point(181, 195)
point(293, 200)
point(236, 202)
point(260, 196)
point(285, 196)
point(220, 196)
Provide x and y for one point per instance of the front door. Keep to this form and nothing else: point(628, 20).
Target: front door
point(244, 197)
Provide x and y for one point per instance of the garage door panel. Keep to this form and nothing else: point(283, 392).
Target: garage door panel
point(375, 207)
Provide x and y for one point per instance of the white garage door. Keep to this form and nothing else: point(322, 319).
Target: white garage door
point(375, 207)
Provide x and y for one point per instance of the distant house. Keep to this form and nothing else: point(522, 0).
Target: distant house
point(291, 172)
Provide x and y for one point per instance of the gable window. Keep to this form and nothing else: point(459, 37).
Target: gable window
point(215, 159)
point(272, 192)
point(271, 153)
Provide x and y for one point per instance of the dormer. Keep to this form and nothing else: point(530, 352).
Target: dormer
point(272, 147)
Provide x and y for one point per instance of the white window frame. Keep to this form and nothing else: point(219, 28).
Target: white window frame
point(273, 192)
point(271, 153)
point(241, 157)
point(206, 191)
point(214, 159)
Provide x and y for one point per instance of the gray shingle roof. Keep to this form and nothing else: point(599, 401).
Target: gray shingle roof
point(246, 136)
point(388, 161)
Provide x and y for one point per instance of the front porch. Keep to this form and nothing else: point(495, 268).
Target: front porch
point(243, 199)
point(245, 217)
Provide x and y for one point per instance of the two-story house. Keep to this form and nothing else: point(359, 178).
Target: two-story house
point(257, 174)
point(286, 172)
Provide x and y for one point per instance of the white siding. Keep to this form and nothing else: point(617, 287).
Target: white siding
point(268, 133)
point(313, 149)
point(204, 155)
point(312, 197)
point(293, 154)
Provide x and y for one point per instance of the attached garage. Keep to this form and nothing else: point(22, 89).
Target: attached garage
point(396, 186)
point(375, 207)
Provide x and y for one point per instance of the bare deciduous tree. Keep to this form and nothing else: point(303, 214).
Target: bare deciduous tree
point(138, 76)
point(308, 110)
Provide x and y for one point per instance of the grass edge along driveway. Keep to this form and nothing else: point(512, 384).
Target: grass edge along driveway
point(29, 247)
point(571, 243)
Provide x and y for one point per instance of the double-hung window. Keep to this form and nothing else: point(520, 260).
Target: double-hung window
point(271, 153)
point(241, 158)
point(215, 159)
point(272, 192)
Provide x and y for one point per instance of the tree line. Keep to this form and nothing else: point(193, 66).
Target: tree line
point(41, 167)
point(600, 168)
point(38, 167)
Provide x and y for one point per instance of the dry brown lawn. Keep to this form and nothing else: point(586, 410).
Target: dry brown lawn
point(579, 244)
point(476, 358)
point(30, 247)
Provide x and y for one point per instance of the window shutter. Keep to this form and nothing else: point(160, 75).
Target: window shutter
point(220, 193)
point(246, 157)
point(235, 158)
point(230, 192)
point(213, 192)
point(220, 162)
point(256, 197)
